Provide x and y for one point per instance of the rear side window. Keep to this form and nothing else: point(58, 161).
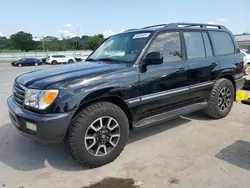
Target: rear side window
point(223, 44)
point(194, 45)
point(207, 43)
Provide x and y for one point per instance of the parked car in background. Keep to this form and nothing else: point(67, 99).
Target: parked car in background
point(55, 59)
point(27, 62)
point(80, 57)
point(246, 61)
point(44, 59)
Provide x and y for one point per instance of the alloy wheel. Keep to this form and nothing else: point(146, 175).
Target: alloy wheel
point(224, 98)
point(102, 136)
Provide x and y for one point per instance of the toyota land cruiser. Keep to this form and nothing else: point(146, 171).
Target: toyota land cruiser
point(134, 79)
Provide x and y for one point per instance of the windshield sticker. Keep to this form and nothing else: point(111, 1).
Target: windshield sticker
point(141, 35)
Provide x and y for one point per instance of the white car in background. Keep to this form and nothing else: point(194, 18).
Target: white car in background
point(246, 61)
point(55, 59)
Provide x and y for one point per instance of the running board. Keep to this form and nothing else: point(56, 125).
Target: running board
point(170, 114)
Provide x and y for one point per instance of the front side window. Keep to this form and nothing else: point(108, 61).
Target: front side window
point(122, 48)
point(194, 45)
point(169, 44)
point(223, 44)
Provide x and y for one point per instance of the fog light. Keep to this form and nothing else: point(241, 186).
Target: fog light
point(31, 126)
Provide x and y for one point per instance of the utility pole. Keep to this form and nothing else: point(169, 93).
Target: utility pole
point(77, 31)
point(43, 42)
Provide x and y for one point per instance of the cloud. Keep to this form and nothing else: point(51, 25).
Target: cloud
point(108, 33)
point(211, 22)
point(66, 33)
point(68, 25)
point(1, 34)
point(221, 19)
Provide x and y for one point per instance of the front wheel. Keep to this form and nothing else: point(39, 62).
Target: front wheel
point(221, 99)
point(19, 65)
point(98, 134)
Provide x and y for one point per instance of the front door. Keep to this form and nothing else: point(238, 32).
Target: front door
point(164, 87)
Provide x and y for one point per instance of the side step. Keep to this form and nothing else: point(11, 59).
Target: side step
point(170, 114)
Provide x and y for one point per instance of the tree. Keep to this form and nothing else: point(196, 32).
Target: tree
point(23, 41)
point(5, 43)
point(52, 43)
point(94, 41)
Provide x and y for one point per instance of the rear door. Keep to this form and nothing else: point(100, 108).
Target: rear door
point(202, 64)
point(227, 52)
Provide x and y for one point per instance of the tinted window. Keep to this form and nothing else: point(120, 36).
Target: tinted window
point(58, 56)
point(207, 43)
point(194, 45)
point(169, 45)
point(223, 43)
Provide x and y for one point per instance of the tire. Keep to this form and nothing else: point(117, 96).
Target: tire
point(36, 64)
point(247, 69)
point(218, 99)
point(81, 126)
point(19, 65)
point(70, 61)
point(54, 62)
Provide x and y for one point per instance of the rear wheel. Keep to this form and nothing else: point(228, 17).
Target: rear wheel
point(70, 61)
point(98, 134)
point(221, 99)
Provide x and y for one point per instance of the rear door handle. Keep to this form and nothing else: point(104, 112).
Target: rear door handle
point(214, 64)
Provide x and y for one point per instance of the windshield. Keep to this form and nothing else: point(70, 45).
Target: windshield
point(122, 48)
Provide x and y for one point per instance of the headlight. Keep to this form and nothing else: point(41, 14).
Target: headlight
point(40, 99)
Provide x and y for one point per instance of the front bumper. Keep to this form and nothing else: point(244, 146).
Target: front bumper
point(50, 128)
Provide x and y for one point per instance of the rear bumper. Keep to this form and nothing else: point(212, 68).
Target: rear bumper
point(50, 128)
point(239, 83)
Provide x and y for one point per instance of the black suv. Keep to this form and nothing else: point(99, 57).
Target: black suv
point(133, 79)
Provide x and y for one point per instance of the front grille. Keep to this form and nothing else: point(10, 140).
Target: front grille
point(18, 93)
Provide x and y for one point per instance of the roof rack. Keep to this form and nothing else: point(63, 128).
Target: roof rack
point(201, 25)
point(178, 25)
point(152, 26)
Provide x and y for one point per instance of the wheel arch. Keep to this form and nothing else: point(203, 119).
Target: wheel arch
point(231, 78)
point(112, 99)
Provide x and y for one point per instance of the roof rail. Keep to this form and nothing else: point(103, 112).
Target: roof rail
point(201, 25)
point(129, 30)
point(159, 25)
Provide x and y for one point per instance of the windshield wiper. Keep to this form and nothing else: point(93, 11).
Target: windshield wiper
point(109, 60)
point(90, 59)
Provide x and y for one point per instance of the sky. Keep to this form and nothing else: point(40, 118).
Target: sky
point(89, 17)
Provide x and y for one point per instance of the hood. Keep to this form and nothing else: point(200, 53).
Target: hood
point(47, 78)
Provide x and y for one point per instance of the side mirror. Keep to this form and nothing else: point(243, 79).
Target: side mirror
point(154, 58)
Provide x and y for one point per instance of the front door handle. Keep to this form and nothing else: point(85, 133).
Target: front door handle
point(214, 64)
point(181, 70)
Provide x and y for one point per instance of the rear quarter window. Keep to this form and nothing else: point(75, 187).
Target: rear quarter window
point(222, 42)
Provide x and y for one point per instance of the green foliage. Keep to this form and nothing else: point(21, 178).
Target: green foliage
point(23, 41)
point(94, 41)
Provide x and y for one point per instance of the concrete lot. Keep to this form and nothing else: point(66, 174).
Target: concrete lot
point(194, 150)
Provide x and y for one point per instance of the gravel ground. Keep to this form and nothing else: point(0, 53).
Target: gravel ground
point(190, 151)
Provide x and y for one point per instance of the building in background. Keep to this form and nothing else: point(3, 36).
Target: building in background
point(243, 40)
